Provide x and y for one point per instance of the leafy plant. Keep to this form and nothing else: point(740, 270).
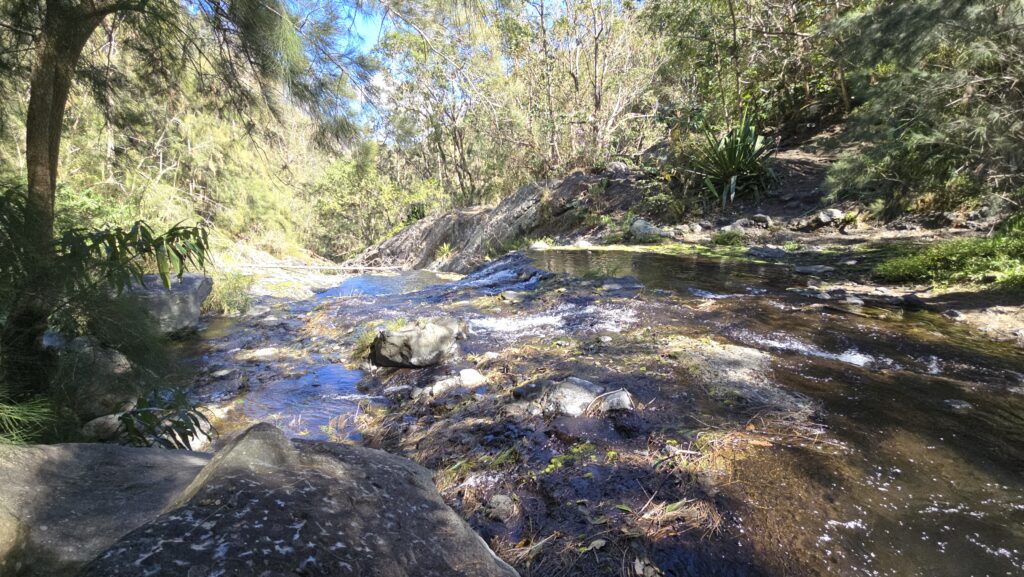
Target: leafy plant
point(169, 422)
point(735, 163)
point(443, 252)
point(21, 421)
point(727, 238)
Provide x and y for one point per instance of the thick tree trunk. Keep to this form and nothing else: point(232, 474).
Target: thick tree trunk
point(59, 45)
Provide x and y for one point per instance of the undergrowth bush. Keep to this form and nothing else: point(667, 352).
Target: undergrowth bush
point(727, 238)
point(965, 260)
point(940, 127)
point(44, 389)
point(231, 293)
point(735, 163)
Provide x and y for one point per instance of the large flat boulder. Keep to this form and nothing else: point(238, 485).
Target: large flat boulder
point(176, 309)
point(61, 505)
point(269, 506)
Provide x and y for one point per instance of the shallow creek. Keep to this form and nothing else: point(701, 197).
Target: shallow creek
point(918, 466)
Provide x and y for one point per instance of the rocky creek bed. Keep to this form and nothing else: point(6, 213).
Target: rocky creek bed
point(628, 413)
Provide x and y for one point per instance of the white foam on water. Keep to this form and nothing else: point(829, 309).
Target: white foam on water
point(850, 356)
point(563, 319)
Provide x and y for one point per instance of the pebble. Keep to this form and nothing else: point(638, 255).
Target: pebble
point(471, 377)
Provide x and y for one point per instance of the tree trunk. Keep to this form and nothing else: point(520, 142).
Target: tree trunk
point(59, 45)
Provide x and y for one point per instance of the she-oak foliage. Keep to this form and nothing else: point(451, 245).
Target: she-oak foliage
point(255, 55)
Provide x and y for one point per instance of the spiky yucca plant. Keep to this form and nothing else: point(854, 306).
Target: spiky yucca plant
point(735, 163)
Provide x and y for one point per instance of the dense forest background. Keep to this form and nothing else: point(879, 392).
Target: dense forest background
point(453, 106)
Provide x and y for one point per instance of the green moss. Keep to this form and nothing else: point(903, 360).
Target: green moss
point(579, 453)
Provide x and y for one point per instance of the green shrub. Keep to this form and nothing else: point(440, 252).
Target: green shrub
point(728, 238)
point(444, 251)
point(170, 421)
point(231, 293)
point(939, 127)
point(966, 260)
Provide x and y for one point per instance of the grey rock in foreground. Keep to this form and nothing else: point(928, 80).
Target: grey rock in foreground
point(424, 344)
point(269, 506)
point(176, 309)
point(61, 505)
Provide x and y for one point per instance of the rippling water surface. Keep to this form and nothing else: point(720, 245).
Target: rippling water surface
point(919, 471)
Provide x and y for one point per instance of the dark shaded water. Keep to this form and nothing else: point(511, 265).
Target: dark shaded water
point(924, 471)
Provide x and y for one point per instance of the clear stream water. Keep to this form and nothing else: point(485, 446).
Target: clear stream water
point(928, 476)
point(925, 419)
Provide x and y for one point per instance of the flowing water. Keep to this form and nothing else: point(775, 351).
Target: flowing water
point(922, 471)
point(928, 479)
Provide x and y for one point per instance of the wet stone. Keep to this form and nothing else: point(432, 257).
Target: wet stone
point(400, 391)
point(619, 400)
point(953, 314)
point(471, 378)
point(424, 344)
point(223, 373)
point(513, 297)
point(769, 252)
point(576, 429)
point(529, 391)
point(571, 397)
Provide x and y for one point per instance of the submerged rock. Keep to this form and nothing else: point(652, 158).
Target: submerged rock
point(265, 505)
point(731, 371)
point(61, 505)
point(771, 252)
point(424, 344)
point(813, 269)
point(176, 309)
point(959, 405)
